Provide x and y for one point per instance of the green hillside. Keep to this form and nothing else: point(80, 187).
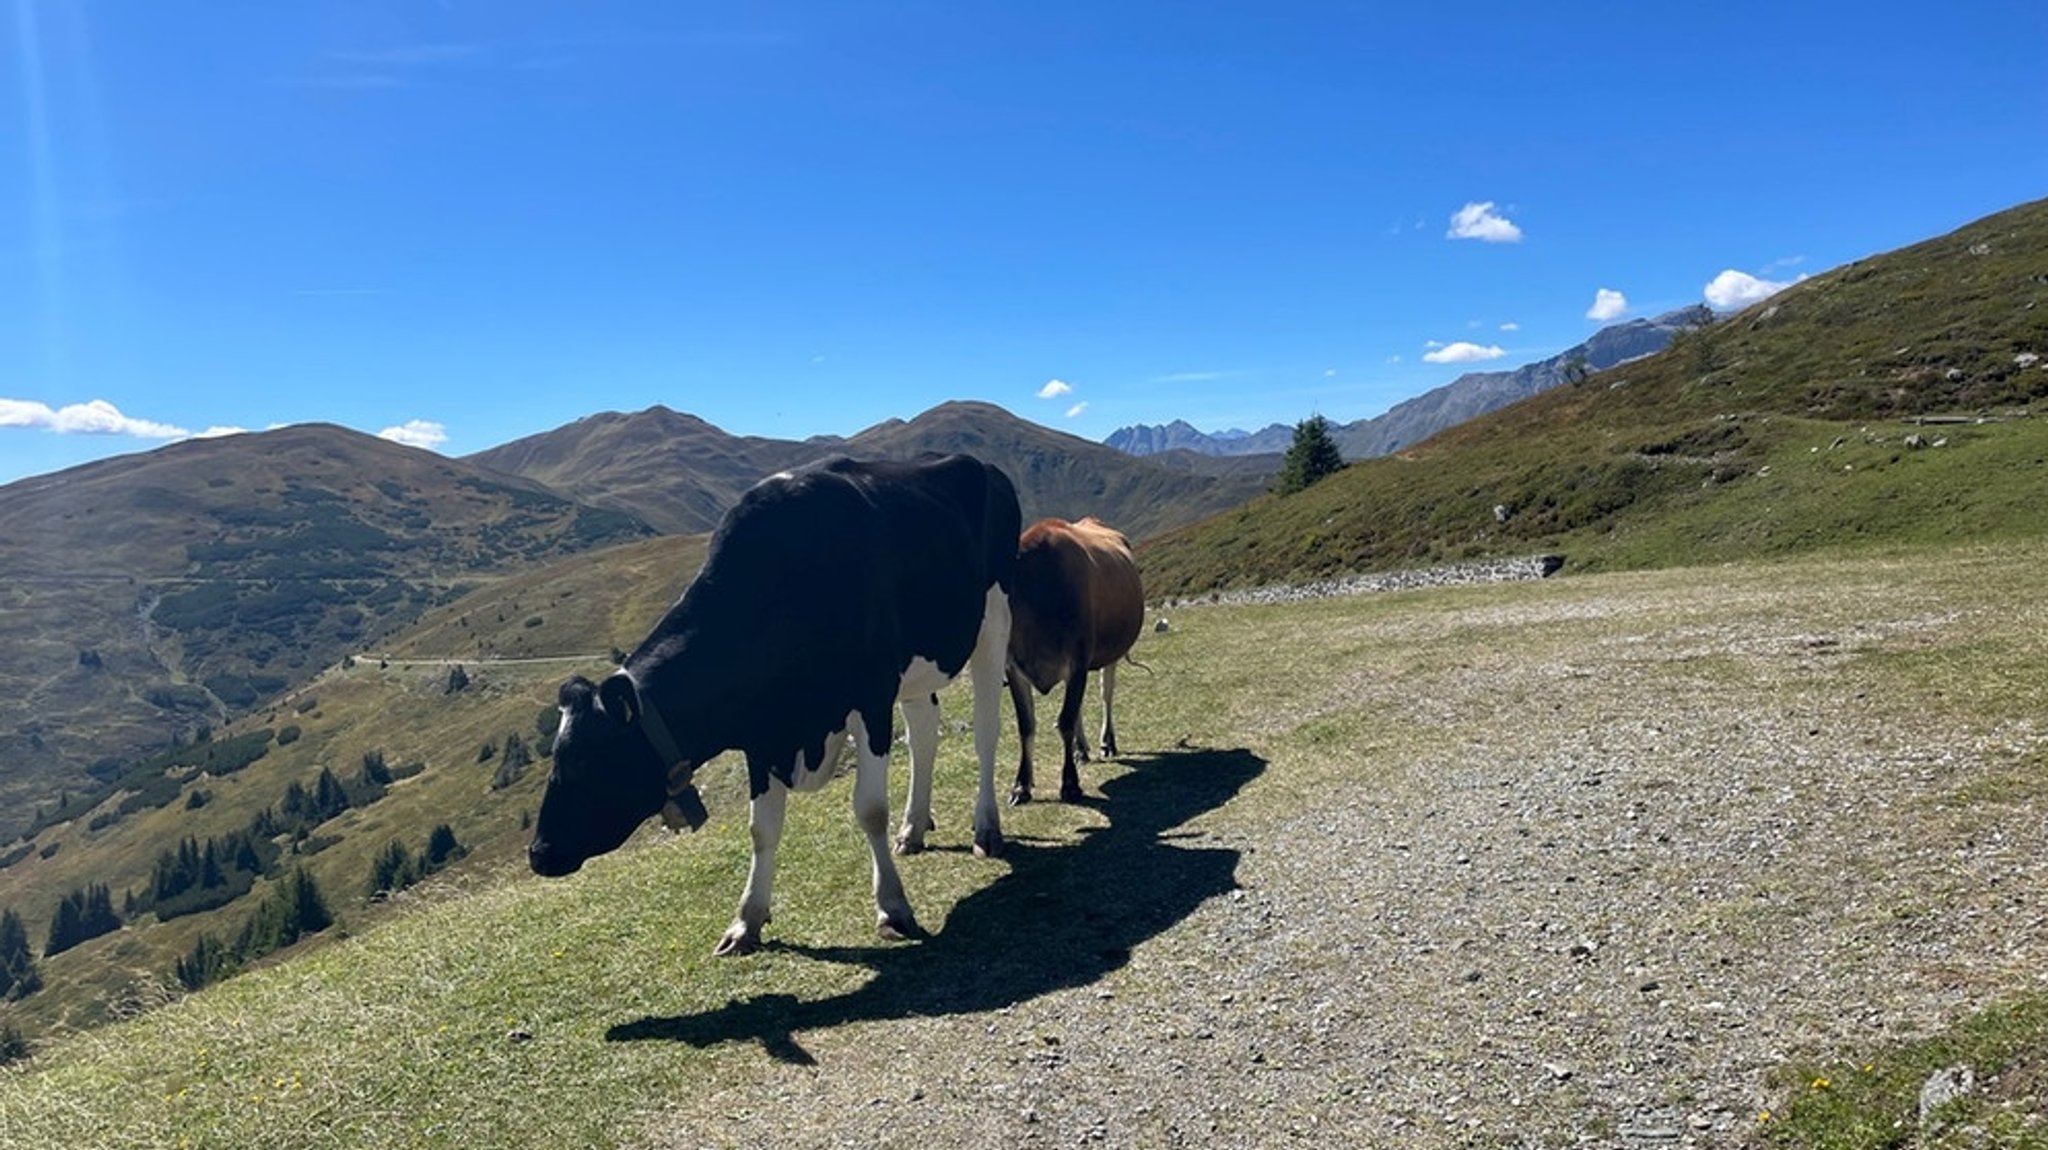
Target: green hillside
point(149, 596)
point(1889, 400)
point(514, 641)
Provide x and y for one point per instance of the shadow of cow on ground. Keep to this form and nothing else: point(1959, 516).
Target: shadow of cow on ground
point(1085, 907)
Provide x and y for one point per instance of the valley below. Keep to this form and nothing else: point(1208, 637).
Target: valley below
point(1725, 855)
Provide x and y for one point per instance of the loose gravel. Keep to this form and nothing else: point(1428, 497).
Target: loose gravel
point(1615, 849)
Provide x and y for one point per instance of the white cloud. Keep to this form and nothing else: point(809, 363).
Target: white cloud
point(1054, 388)
point(1077, 409)
point(1462, 352)
point(219, 431)
point(1478, 221)
point(1393, 359)
point(1607, 304)
point(1329, 373)
point(416, 433)
point(1511, 325)
point(1432, 343)
point(1733, 290)
point(97, 417)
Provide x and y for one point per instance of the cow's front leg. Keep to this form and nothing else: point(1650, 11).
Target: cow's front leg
point(764, 824)
point(921, 722)
point(893, 919)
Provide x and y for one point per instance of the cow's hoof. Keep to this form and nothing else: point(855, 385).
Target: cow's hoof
point(988, 844)
point(739, 939)
point(1109, 751)
point(1019, 796)
point(907, 846)
point(1071, 794)
point(898, 928)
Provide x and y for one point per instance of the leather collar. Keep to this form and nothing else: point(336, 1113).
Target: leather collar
point(684, 807)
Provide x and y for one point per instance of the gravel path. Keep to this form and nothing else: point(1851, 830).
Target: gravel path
point(1614, 849)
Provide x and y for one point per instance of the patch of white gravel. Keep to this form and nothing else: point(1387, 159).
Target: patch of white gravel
point(1633, 859)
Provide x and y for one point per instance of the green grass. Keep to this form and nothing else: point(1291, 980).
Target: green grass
point(488, 1007)
point(1872, 1103)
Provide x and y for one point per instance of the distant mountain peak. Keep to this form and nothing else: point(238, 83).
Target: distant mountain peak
point(1413, 420)
point(1180, 435)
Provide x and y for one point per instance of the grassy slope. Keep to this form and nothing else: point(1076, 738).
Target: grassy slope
point(587, 605)
point(1663, 460)
point(207, 561)
point(481, 1013)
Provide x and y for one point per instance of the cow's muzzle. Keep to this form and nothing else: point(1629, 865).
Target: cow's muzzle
point(548, 864)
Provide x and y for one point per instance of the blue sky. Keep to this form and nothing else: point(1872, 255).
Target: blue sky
point(468, 221)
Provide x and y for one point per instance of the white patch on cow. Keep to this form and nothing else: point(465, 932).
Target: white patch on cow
point(808, 776)
point(921, 679)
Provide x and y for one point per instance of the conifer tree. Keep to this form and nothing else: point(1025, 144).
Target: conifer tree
point(13, 1047)
point(1312, 457)
point(442, 848)
point(63, 928)
point(393, 870)
point(207, 961)
point(18, 974)
point(330, 798)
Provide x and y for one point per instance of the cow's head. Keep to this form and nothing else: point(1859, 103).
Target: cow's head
point(606, 781)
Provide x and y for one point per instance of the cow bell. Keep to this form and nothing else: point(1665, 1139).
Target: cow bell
point(684, 809)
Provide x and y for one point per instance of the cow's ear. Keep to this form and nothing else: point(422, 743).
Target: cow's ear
point(620, 698)
point(575, 695)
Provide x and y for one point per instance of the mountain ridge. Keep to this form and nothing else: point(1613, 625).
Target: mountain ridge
point(1412, 420)
point(681, 473)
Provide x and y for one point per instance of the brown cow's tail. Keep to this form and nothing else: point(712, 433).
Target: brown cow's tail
point(1133, 661)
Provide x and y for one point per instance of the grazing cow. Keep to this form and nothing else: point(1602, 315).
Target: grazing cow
point(1077, 606)
point(828, 596)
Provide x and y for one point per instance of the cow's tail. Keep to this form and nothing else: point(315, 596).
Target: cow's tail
point(1133, 661)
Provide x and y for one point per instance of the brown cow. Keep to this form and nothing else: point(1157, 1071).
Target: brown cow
point(1076, 606)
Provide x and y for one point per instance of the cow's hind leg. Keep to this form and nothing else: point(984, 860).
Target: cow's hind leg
point(991, 653)
point(871, 810)
point(921, 721)
point(1023, 701)
point(764, 823)
point(1109, 711)
point(1070, 734)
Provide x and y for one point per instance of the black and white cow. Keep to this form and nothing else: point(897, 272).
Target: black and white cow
point(829, 596)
